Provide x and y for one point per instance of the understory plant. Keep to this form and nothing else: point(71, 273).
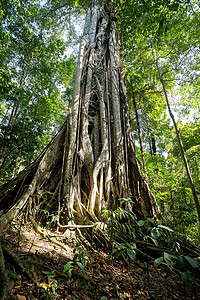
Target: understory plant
point(50, 289)
point(80, 259)
point(127, 234)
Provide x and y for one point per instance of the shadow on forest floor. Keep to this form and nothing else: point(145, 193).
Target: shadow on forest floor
point(111, 279)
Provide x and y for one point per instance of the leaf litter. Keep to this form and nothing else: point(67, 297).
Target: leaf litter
point(110, 279)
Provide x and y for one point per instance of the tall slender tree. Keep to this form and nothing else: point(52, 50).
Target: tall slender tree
point(182, 150)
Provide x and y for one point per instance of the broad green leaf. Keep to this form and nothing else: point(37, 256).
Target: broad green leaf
point(150, 220)
point(154, 241)
point(158, 261)
point(68, 266)
point(79, 264)
point(120, 252)
point(115, 250)
point(169, 262)
point(131, 253)
point(159, 222)
point(193, 262)
point(168, 259)
point(165, 227)
point(184, 276)
point(140, 223)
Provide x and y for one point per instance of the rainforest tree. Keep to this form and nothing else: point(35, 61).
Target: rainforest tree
point(91, 163)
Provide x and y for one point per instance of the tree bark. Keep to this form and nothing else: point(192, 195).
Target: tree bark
point(91, 163)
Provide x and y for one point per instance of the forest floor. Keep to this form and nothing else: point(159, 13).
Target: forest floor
point(106, 278)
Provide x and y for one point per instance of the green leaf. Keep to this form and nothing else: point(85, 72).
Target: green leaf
point(154, 241)
point(159, 222)
point(165, 227)
point(122, 200)
point(120, 252)
point(105, 213)
point(69, 273)
point(184, 277)
point(79, 264)
point(168, 259)
point(141, 223)
point(132, 215)
point(68, 266)
point(158, 261)
point(115, 250)
point(131, 254)
point(193, 262)
point(150, 220)
point(155, 233)
point(182, 263)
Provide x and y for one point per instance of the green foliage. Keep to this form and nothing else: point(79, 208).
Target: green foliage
point(168, 181)
point(49, 291)
point(119, 222)
point(68, 268)
point(82, 256)
point(80, 259)
point(154, 233)
point(35, 82)
point(184, 263)
point(125, 249)
point(170, 31)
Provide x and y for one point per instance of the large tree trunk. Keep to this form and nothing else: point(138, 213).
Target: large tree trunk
point(91, 163)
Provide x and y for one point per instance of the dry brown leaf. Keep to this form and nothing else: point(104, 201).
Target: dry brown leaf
point(21, 297)
point(32, 268)
point(34, 274)
point(11, 284)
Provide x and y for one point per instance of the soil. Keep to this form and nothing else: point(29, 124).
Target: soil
point(105, 277)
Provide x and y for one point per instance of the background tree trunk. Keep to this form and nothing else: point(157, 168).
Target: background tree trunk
point(183, 154)
point(139, 130)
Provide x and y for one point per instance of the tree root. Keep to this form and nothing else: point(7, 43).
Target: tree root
point(44, 233)
point(5, 292)
point(15, 260)
point(74, 226)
